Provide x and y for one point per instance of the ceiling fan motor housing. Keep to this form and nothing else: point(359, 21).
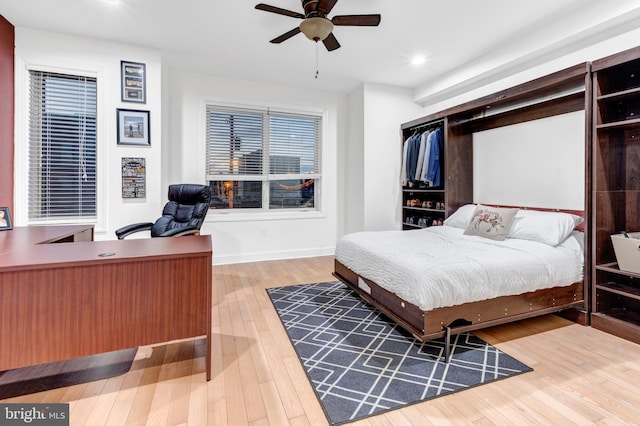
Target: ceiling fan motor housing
point(311, 9)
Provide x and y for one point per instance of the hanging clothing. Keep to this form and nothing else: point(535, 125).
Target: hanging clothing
point(425, 160)
point(421, 153)
point(403, 170)
point(412, 157)
point(421, 162)
point(436, 147)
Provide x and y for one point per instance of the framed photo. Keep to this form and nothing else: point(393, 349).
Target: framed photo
point(5, 219)
point(133, 127)
point(134, 177)
point(133, 82)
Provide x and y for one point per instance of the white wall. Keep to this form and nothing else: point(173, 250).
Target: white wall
point(374, 151)
point(63, 53)
point(539, 163)
point(353, 165)
point(247, 236)
point(385, 109)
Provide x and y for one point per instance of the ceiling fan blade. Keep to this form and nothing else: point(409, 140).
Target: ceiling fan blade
point(331, 42)
point(357, 20)
point(279, 11)
point(325, 6)
point(286, 35)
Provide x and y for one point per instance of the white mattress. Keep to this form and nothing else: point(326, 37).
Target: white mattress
point(439, 266)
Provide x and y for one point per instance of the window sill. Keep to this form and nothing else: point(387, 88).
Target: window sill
point(216, 216)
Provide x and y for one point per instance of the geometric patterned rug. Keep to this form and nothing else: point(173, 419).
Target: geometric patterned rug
point(361, 364)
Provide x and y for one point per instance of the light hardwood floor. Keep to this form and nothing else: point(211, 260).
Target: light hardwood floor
point(581, 375)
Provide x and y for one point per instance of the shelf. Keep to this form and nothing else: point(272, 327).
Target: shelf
point(613, 268)
point(423, 190)
point(413, 225)
point(422, 209)
point(619, 322)
point(621, 314)
point(620, 289)
point(622, 95)
point(624, 124)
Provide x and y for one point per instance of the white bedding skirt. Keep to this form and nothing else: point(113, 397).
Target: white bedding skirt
point(439, 266)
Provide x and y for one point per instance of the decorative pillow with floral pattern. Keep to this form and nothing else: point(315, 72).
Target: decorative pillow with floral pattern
point(491, 222)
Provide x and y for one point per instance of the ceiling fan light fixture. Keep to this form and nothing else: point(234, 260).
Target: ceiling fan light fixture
point(316, 29)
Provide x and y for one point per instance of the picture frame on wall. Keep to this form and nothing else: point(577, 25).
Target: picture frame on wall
point(134, 177)
point(5, 219)
point(133, 82)
point(133, 127)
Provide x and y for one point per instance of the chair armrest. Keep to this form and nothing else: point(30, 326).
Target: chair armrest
point(130, 229)
point(179, 232)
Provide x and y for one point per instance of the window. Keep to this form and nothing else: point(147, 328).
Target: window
point(62, 147)
point(263, 159)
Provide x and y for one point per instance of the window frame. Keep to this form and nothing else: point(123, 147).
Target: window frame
point(265, 212)
point(21, 152)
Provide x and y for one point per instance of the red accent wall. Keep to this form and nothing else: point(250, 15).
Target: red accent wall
point(7, 42)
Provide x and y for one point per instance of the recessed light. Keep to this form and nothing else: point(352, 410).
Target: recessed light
point(418, 60)
point(112, 1)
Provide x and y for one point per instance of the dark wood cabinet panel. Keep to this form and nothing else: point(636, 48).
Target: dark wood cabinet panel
point(616, 190)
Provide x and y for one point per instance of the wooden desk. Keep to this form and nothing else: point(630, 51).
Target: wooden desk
point(64, 296)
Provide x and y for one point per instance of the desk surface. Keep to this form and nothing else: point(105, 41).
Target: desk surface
point(27, 248)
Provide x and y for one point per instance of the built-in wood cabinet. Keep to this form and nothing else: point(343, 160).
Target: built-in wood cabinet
point(562, 92)
point(425, 204)
point(616, 190)
point(557, 93)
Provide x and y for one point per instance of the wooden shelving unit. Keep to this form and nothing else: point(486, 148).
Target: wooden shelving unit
point(616, 190)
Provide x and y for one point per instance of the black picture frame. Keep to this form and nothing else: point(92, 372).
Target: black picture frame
point(5, 219)
point(133, 82)
point(133, 127)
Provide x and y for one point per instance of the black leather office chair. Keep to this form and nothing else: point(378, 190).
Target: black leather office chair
point(183, 215)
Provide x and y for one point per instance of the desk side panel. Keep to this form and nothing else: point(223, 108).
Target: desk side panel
point(59, 313)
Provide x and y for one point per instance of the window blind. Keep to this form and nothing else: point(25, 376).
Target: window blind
point(62, 146)
point(234, 142)
point(294, 144)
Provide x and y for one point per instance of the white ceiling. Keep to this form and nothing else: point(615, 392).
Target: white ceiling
point(464, 39)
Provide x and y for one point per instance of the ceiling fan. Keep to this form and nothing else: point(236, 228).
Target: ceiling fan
point(315, 24)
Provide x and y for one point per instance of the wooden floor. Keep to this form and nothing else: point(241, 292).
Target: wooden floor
point(581, 375)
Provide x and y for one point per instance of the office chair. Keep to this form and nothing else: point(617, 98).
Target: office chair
point(183, 215)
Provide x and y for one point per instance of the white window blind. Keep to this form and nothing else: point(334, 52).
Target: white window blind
point(234, 142)
point(294, 144)
point(262, 159)
point(62, 147)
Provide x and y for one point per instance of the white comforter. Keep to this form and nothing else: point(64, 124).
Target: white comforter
point(439, 266)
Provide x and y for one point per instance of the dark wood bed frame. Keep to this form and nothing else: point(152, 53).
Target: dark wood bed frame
point(449, 321)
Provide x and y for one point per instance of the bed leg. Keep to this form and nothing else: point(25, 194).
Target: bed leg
point(447, 344)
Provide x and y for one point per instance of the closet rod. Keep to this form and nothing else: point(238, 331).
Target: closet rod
point(430, 124)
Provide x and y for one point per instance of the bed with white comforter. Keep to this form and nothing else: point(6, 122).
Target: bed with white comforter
point(439, 266)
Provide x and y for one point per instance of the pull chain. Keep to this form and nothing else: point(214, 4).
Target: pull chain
point(317, 72)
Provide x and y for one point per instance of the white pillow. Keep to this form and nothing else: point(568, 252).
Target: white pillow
point(461, 218)
point(550, 228)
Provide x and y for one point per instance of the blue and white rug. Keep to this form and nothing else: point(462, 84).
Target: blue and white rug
point(361, 364)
